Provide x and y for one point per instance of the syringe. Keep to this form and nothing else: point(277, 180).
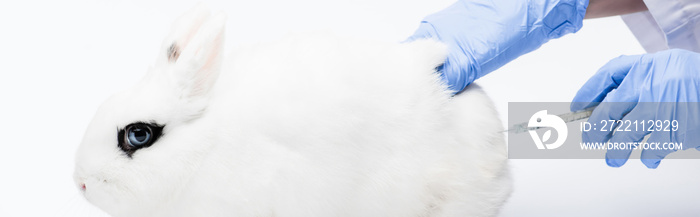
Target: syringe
point(567, 117)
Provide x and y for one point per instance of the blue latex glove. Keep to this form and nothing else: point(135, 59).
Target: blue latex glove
point(671, 76)
point(484, 35)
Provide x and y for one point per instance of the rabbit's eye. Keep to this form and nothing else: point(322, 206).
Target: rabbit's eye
point(138, 135)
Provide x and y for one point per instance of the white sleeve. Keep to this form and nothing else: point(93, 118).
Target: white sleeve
point(667, 24)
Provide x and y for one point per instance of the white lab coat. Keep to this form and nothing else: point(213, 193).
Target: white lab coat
point(667, 24)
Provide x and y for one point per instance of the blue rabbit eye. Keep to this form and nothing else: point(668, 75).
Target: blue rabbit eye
point(139, 135)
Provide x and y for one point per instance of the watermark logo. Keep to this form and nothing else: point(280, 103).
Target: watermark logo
point(559, 133)
point(543, 120)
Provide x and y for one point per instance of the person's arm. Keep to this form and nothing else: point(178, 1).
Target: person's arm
point(606, 8)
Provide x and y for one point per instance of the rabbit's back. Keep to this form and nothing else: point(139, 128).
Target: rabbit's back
point(318, 125)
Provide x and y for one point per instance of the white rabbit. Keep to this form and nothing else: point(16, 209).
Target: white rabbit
point(311, 125)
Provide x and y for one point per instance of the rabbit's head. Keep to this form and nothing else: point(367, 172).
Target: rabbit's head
point(135, 143)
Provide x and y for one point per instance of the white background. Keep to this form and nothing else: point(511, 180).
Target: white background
point(60, 59)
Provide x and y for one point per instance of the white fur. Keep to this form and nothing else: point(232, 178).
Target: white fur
point(312, 125)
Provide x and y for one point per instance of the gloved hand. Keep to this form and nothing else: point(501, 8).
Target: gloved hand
point(648, 88)
point(484, 35)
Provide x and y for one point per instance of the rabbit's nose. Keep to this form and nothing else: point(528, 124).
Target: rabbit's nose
point(80, 181)
point(82, 186)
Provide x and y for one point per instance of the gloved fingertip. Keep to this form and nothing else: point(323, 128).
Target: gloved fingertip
point(456, 78)
point(652, 158)
point(589, 95)
point(575, 106)
point(578, 106)
point(651, 163)
point(617, 158)
point(613, 162)
point(425, 30)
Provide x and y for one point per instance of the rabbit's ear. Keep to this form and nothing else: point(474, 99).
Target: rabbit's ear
point(193, 50)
